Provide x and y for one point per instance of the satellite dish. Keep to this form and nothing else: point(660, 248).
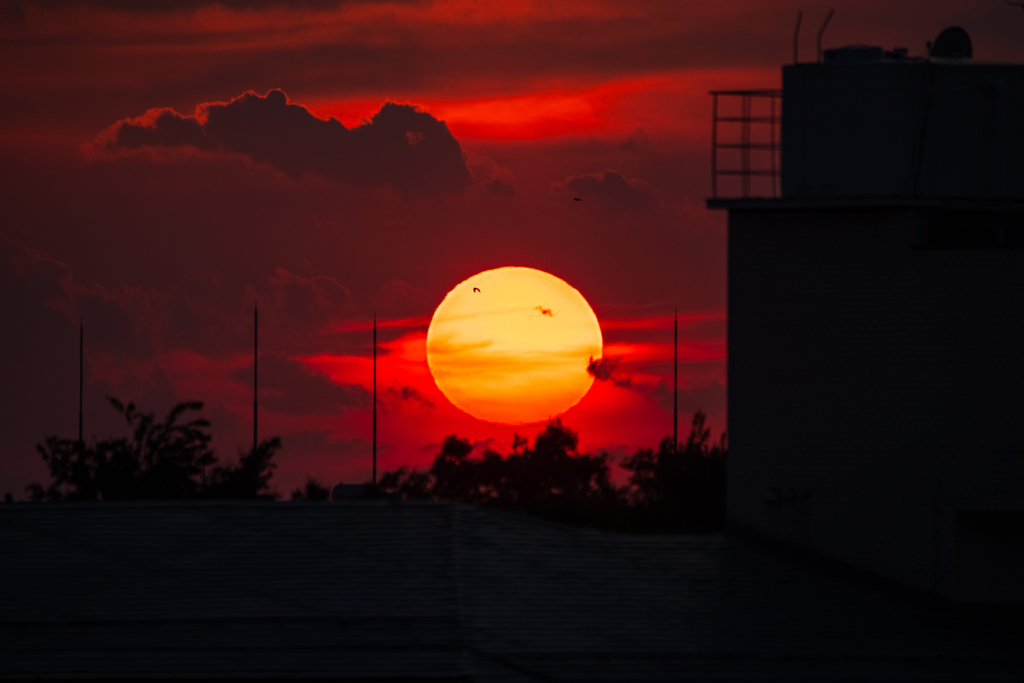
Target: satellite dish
point(953, 42)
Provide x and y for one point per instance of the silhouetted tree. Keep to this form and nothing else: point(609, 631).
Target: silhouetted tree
point(555, 469)
point(684, 489)
point(551, 479)
point(669, 489)
point(159, 460)
point(407, 483)
point(250, 477)
point(453, 472)
point(313, 490)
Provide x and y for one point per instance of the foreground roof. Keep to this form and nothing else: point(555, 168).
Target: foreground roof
point(386, 591)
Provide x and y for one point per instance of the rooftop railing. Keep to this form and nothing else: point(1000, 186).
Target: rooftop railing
point(746, 130)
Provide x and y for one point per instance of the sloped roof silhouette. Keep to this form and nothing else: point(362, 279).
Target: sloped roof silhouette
point(416, 591)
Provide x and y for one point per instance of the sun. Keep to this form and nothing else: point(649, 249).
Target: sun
point(512, 346)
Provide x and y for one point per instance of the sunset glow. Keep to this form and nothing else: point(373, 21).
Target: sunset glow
point(167, 165)
point(512, 346)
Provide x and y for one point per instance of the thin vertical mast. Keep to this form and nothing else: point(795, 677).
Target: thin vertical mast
point(81, 374)
point(374, 399)
point(675, 385)
point(255, 362)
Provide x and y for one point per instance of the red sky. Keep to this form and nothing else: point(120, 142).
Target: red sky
point(160, 230)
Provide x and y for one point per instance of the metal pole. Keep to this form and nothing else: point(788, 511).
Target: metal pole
point(374, 399)
point(771, 126)
point(796, 37)
point(745, 142)
point(714, 145)
point(821, 31)
point(675, 386)
point(255, 363)
point(81, 374)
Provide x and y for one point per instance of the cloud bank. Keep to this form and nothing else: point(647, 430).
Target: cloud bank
point(610, 189)
point(399, 146)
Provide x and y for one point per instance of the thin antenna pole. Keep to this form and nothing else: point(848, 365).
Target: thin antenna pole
point(796, 37)
point(771, 140)
point(675, 386)
point(81, 374)
point(822, 31)
point(374, 399)
point(255, 369)
point(714, 145)
point(745, 109)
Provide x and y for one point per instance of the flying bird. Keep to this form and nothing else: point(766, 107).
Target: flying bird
point(476, 290)
point(577, 199)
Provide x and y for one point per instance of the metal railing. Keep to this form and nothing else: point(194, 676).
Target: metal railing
point(766, 143)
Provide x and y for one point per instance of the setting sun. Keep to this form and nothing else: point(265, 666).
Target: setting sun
point(512, 345)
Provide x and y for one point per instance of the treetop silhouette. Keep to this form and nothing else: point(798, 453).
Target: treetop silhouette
point(668, 490)
point(168, 459)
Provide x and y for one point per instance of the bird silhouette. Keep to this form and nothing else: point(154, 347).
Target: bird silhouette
point(577, 199)
point(476, 289)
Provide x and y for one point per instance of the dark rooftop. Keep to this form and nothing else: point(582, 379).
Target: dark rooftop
point(388, 591)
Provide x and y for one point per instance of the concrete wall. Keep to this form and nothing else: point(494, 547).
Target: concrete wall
point(903, 128)
point(876, 389)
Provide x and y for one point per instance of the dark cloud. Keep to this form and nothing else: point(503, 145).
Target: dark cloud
point(291, 387)
point(296, 310)
point(313, 300)
point(637, 143)
point(160, 128)
point(635, 385)
point(610, 189)
point(602, 368)
point(398, 298)
point(393, 397)
point(399, 146)
point(706, 397)
point(123, 320)
point(501, 186)
point(136, 323)
point(487, 173)
point(200, 314)
point(413, 394)
point(32, 278)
